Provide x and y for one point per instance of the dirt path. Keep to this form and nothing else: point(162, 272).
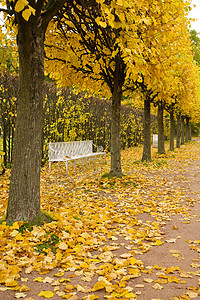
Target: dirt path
point(180, 248)
point(166, 245)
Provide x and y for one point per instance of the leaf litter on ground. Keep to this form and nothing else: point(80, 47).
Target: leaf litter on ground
point(102, 228)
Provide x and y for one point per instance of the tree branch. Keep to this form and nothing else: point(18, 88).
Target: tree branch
point(39, 6)
point(8, 11)
point(53, 10)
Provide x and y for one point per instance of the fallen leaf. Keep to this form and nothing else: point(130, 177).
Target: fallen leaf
point(63, 246)
point(46, 294)
point(99, 286)
point(20, 295)
point(149, 280)
point(157, 286)
point(171, 241)
point(139, 286)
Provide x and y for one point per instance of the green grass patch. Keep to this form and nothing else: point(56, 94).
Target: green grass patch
point(50, 243)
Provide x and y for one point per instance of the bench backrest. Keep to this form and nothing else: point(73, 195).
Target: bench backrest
point(76, 148)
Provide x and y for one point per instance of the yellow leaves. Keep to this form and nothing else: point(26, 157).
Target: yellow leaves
point(116, 263)
point(133, 261)
point(157, 286)
point(161, 281)
point(69, 288)
point(26, 14)
point(22, 288)
point(20, 5)
point(83, 289)
point(99, 286)
point(46, 294)
point(130, 296)
point(59, 274)
point(20, 295)
point(158, 243)
point(38, 279)
point(192, 294)
point(11, 282)
point(63, 246)
point(173, 279)
point(134, 273)
point(171, 270)
point(59, 256)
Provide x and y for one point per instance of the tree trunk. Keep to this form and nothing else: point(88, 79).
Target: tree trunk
point(178, 137)
point(161, 137)
point(182, 131)
point(24, 196)
point(147, 130)
point(4, 143)
point(115, 132)
point(187, 129)
point(190, 131)
point(171, 130)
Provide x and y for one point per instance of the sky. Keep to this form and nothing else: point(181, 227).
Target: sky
point(195, 13)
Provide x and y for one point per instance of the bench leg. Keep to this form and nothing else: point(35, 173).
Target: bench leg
point(49, 166)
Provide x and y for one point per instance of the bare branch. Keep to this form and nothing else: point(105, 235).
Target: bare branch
point(53, 10)
point(8, 11)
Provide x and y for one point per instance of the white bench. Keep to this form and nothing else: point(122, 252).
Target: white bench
point(67, 151)
point(155, 140)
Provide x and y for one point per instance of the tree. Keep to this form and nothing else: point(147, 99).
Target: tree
point(110, 44)
point(32, 19)
point(195, 45)
point(161, 136)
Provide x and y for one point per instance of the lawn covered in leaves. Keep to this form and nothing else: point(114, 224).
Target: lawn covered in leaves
point(102, 226)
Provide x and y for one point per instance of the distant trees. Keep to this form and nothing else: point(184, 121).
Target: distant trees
point(68, 116)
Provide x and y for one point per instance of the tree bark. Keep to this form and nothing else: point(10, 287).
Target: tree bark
point(115, 132)
point(187, 129)
point(190, 131)
point(24, 196)
point(182, 131)
point(147, 130)
point(161, 137)
point(178, 137)
point(4, 142)
point(171, 130)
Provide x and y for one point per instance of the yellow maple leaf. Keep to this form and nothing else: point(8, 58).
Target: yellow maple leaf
point(46, 294)
point(20, 5)
point(99, 286)
point(26, 14)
